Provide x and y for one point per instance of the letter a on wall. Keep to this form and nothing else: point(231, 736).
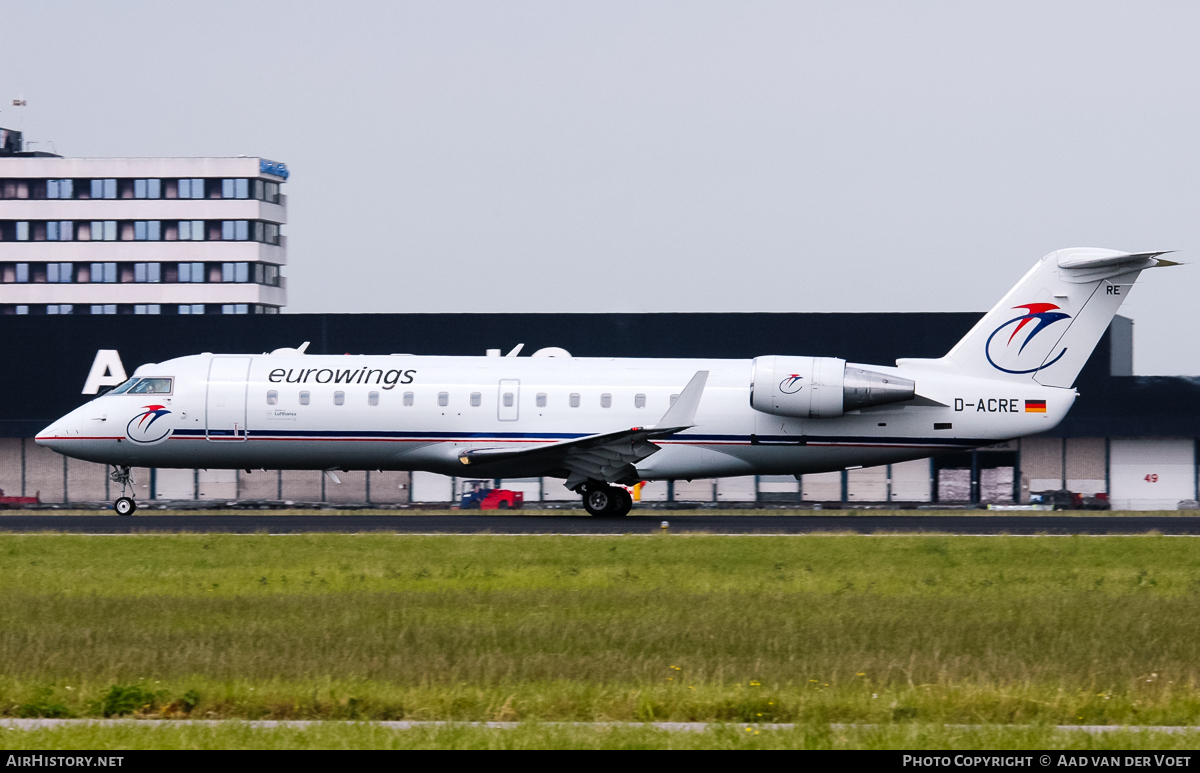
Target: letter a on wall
point(107, 370)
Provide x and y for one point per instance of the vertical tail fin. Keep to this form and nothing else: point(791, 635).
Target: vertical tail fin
point(1047, 326)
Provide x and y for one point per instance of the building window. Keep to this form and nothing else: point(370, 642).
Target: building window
point(235, 230)
point(60, 272)
point(304, 398)
point(339, 398)
point(443, 399)
point(60, 231)
point(372, 398)
point(266, 191)
point(107, 308)
point(235, 308)
point(235, 272)
point(104, 189)
point(272, 397)
point(103, 272)
point(408, 398)
point(235, 189)
point(60, 189)
point(147, 230)
point(104, 230)
point(191, 272)
point(60, 308)
point(22, 272)
point(476, 399)
point(147, 308)
point(541, 400)
point(191, 230)
point(191, 308)
point(639, 401)
point(147, 189)
point(22, 309)
point(574, 400)
point(191, 188)
point(147, 272)
point(23, 230)
point(606, 401)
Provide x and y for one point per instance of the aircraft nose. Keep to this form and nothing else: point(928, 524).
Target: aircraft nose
point(57, 434)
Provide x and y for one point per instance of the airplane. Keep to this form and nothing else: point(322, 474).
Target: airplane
point(604, 423)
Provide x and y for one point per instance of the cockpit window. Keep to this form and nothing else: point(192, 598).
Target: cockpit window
point(124, 387)
point(152, 386)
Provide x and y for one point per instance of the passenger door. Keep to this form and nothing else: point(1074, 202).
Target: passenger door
point(510, 399)
point(225, 408)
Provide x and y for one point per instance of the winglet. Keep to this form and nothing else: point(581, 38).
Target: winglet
point(683, 412)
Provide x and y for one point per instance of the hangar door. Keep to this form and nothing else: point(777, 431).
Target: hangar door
point(225, 409)
point(1151, 473)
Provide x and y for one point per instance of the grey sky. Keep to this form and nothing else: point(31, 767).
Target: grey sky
point(660, 156)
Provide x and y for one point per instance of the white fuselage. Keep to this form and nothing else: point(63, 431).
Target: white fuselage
point(404, 412)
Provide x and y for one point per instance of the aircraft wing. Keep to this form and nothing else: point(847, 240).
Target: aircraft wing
point(608, 456)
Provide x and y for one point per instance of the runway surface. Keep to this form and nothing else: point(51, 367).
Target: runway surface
point(416, 523)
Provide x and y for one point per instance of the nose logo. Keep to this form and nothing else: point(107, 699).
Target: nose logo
point(146, 427)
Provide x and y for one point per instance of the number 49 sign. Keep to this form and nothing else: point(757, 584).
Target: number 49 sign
point(1151, 478)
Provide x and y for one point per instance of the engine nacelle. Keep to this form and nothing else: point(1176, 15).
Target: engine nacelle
point(821, 387)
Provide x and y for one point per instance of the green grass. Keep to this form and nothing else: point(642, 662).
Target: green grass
point(907, 632)
point(542, 736)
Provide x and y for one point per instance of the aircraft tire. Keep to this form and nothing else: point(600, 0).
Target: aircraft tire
point(125, 506)
point(600, 501)
point(624, 502)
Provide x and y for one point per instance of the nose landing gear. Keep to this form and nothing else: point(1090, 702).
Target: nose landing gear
point(124, 505)
point(603, 501)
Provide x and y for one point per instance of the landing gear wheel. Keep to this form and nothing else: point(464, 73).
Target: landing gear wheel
point(125, 506)
point(624, 502)
point(600, 501)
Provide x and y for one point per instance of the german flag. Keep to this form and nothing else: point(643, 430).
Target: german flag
point(1035, 406)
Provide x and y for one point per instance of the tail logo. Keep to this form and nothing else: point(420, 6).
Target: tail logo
point(791, 385)
point(144, 427)
point(1010, 354)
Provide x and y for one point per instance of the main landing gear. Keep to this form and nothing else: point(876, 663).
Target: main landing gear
point(605, 501)
point(124, 505)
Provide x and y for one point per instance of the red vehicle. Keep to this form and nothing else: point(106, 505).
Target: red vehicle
point(479, 495)
point(7, 502)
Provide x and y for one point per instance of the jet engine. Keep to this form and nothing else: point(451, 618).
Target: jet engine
point(821, 387)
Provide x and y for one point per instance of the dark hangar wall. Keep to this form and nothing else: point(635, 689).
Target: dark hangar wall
point(47, 358)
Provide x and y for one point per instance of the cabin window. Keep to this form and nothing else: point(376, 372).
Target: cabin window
point(372, 398)
point(639, 401)
point(476, 399)
point(408, 398)
point(304, 398)
point(339, 398)
point(574, 401)
point(152, 386)
point(674, 398)
point(606, 400)
point(541, 400)
point(508, 399)
point(443, 399)
point(272, 397)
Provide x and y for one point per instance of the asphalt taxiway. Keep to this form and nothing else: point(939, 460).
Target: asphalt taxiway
point(417, 523)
